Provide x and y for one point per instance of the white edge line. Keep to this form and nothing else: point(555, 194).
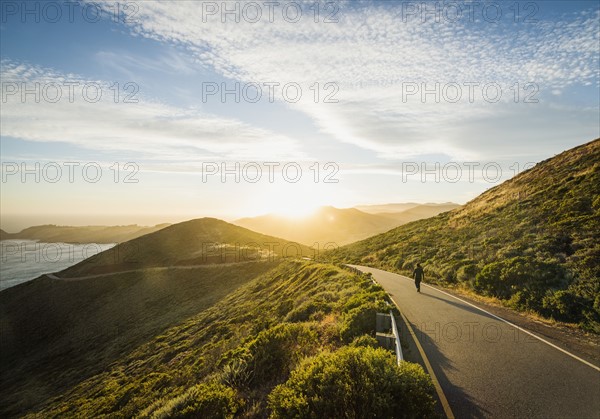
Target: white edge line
point(589, 364)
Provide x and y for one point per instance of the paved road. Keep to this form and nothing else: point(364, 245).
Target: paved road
point(151, 268)
point(486, 367)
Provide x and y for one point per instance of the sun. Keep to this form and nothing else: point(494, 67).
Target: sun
point(291, 202)
point(294, 209)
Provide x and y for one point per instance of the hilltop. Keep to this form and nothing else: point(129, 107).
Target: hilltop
point(530, 242)
point(51, 233)
point(196, 242)
point(330, 226)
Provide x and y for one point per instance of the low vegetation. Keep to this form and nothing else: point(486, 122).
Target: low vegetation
point(373, 386)
point(242, 356)
point(531, 242)
point(57, 333)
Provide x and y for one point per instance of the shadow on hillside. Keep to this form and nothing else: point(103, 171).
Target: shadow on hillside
point(461, 404)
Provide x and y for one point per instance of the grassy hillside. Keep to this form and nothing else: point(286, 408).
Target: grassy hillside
point(196, 242)
point(419, 212)
point(86, 234)
point(531, 241)
point(274, 345)
point(56, 333)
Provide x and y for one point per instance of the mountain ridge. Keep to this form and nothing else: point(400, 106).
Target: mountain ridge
point(52, 233)
point(333, 226)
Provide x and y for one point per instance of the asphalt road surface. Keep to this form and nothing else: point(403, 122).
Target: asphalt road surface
point(485, 367)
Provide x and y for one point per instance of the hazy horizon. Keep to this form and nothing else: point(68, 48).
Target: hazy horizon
point(13, 223)
point(182, 110)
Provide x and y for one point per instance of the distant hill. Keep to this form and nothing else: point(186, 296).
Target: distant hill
point(339, 226)
point(326, 225)
point(419, 212)
point(87, 234)
point(531, 241)
point(196, 242)
point(383, 208)
point(5, 236)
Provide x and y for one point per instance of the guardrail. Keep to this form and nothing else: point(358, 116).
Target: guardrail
point(384, 323)
point(398, 346)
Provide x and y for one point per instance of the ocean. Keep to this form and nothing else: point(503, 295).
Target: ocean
point(24, 260)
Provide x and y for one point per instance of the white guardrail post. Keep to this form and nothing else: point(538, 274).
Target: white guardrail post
point(398, 346)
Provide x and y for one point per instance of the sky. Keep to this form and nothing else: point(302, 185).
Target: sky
point(149, 111)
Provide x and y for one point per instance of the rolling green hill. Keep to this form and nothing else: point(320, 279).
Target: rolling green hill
point(86, 234)
point(531, 241)
point(56, 333)
point(196, 242)
point(205, 342)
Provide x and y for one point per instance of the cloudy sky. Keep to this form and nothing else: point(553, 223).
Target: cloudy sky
point(155, 111)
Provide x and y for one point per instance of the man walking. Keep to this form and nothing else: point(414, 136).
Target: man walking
point(418, 275)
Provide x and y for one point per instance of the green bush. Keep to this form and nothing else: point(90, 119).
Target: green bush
point(366, 341)
point(354, 382)
point(270, 356)
point(361, 320)
point(565, 306)
point(201, 401)
point(504, 278)
point(467, 272)
point(307, 309)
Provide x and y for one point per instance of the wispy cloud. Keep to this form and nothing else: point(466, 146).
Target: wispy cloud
point(372, 43)
point(146, 129)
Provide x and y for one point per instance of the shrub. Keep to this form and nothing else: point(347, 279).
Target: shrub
point(365, 341)
point(203, 400)
point(503, 279)
point(564, 306)
point(307, 309)
point(467, 272)
point(271, 355)
point(354, 382)
point(361, 320)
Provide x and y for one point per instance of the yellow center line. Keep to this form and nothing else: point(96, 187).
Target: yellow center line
point(436, 383)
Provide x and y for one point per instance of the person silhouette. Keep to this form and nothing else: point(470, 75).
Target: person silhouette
point(418, 275)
